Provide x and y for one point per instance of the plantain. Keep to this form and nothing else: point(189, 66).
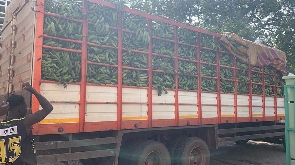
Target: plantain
point(65, 67)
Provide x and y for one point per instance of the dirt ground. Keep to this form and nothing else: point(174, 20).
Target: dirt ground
point(253, 153)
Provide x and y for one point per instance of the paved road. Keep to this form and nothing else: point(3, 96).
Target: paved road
point(253, 153)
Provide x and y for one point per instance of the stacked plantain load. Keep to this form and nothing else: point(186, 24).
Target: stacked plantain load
point(64, 64)
point(57, 64)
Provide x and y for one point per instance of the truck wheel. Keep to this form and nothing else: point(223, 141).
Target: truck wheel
point(192, 151)
point(172, 144)
point(150, 152)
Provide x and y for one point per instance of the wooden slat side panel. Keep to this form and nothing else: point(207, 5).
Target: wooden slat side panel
point(75, 156)
point(227, 105)
point(24, 46)
point(23, 52)
point(101, 104)
point(163, 106)
point(65, 102)
point(74, 143)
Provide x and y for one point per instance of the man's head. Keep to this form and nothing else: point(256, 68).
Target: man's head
point(17, 106)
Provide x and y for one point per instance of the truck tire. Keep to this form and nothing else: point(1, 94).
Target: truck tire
point(192, 151)
point(172, 144)
point(150, 152)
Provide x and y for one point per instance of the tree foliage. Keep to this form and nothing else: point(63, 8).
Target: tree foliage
point(271, 22)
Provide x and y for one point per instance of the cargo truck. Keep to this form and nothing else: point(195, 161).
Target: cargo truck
point(132, 88)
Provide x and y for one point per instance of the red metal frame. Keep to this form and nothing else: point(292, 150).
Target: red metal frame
point(199, 99)
point(263, 94)
point(83, 68)
point(119, 124)
point(150, 76)
point(38, 56)
point(250, 92)
point(235, 90)
point(120, 70)
point(275, 97)
point(176, 104)
point(218, 82)
point(63, 17)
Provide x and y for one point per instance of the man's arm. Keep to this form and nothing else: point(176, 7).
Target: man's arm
point(39, 115)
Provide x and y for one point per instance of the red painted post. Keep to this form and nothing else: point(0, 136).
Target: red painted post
point(120, 69)
point(235, 90)
point(150, 76)
point(218, 82)
point(38, 56)
point(176, 75)
point(275, 96)
point(250, 92)
point(82, 107)
point(263, 95)
point(199, 81)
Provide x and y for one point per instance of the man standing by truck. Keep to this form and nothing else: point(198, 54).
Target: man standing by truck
point(15, 132)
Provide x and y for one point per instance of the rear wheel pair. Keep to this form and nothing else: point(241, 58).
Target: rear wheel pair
point(184, 151)
point(145, 153)
point(189, 151)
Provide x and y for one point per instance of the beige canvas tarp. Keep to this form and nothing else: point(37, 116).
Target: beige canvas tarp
point(254, 54)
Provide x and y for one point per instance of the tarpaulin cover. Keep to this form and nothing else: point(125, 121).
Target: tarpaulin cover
point(254, 54)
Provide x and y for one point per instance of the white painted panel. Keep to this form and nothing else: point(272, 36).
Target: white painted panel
point(187, 97)
point(63, 111)
point(209, 111)
point(101, 112)
point(280, 102)
point(243, 111)
point(269, 111)
point(163, 112)
point(101, 94)
point(227, 110)
point(257, 100)
point(269, 101)
point(54, 92)
point(134, 110)
point(209, 98)
point(281, 111)
point(164, 98)
point(227, 99)
point(134, 95)
point(257, 111)
point(243, 100)
point(188, 110)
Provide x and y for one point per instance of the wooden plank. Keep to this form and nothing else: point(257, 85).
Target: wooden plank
point(247, 129)
point(75, 156)
point(74, 143)
point(251, 137)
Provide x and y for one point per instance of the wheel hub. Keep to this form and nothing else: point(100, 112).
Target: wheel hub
point(196, 156)
point(153, 159)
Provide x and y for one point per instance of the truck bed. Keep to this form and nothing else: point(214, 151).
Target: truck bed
point(85, 106)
